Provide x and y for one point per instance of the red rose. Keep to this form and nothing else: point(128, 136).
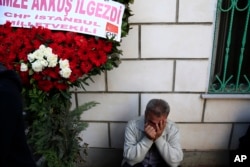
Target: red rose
point(60, 86)
point(76, 73)
point(45, 85)
point(98, 58)
point(86, 66)
point(83, 52)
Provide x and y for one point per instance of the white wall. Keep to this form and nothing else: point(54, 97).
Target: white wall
point(166, 55)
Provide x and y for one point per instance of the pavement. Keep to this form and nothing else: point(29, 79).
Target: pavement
point(113, 158)
point(205, 159)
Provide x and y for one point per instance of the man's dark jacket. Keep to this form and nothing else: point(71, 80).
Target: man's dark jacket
point(14, 151)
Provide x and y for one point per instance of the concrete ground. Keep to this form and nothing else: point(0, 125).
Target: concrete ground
point(113, 158)
point(206, 159)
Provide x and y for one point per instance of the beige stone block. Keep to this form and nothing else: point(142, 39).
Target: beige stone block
point(153, 11)
point(176, 41)
point(205, 136)
point(112, 107)
point(117, 131)
point(197, 11)
point(96, 135)
point(227, 110)
point(183, 107)
point(146, 75)
point(191, 75)
point(130, 44)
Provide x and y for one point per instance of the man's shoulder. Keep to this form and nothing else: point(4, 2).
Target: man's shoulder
point(136, 122)
point(137, 119)
point(170, 122)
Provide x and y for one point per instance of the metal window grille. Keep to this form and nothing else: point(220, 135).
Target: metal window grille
point(230, 72)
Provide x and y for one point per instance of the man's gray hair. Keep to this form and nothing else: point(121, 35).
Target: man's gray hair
point(158, 107)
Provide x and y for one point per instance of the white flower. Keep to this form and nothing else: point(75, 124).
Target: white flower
point(37, 66)
point(23, 67)
point(38, 55)
point(65, 72)
point(31, 57)
point(52, 60)
point(43, 62)
point(41, 47)
point(44, 57)
point(64, 63)
point(46, 52)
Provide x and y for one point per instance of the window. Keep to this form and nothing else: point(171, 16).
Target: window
point(230, 72)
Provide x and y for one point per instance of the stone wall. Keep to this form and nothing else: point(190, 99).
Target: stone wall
point(167, 55)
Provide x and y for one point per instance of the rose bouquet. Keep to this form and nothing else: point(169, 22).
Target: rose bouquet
point(49, 63)
point(54, 60)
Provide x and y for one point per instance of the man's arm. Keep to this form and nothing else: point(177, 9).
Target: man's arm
point(135, 151)
point(170, 148)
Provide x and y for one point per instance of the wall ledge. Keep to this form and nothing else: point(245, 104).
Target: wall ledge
point(225, 96)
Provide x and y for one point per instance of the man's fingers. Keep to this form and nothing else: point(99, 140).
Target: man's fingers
point(149, 128)
point(158, 127)
point(150, 131)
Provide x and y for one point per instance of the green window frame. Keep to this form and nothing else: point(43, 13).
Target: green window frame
point(230, 67)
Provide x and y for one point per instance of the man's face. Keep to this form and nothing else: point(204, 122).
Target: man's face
point(153, 120)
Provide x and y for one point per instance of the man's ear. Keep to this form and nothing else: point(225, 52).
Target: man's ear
point(166, 116)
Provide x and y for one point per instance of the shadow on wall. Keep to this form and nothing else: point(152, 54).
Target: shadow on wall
point(240, 146)
point(241, 156)
point(108, 157)
point(117, 131)
point(243, 115)
point(242, 123)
